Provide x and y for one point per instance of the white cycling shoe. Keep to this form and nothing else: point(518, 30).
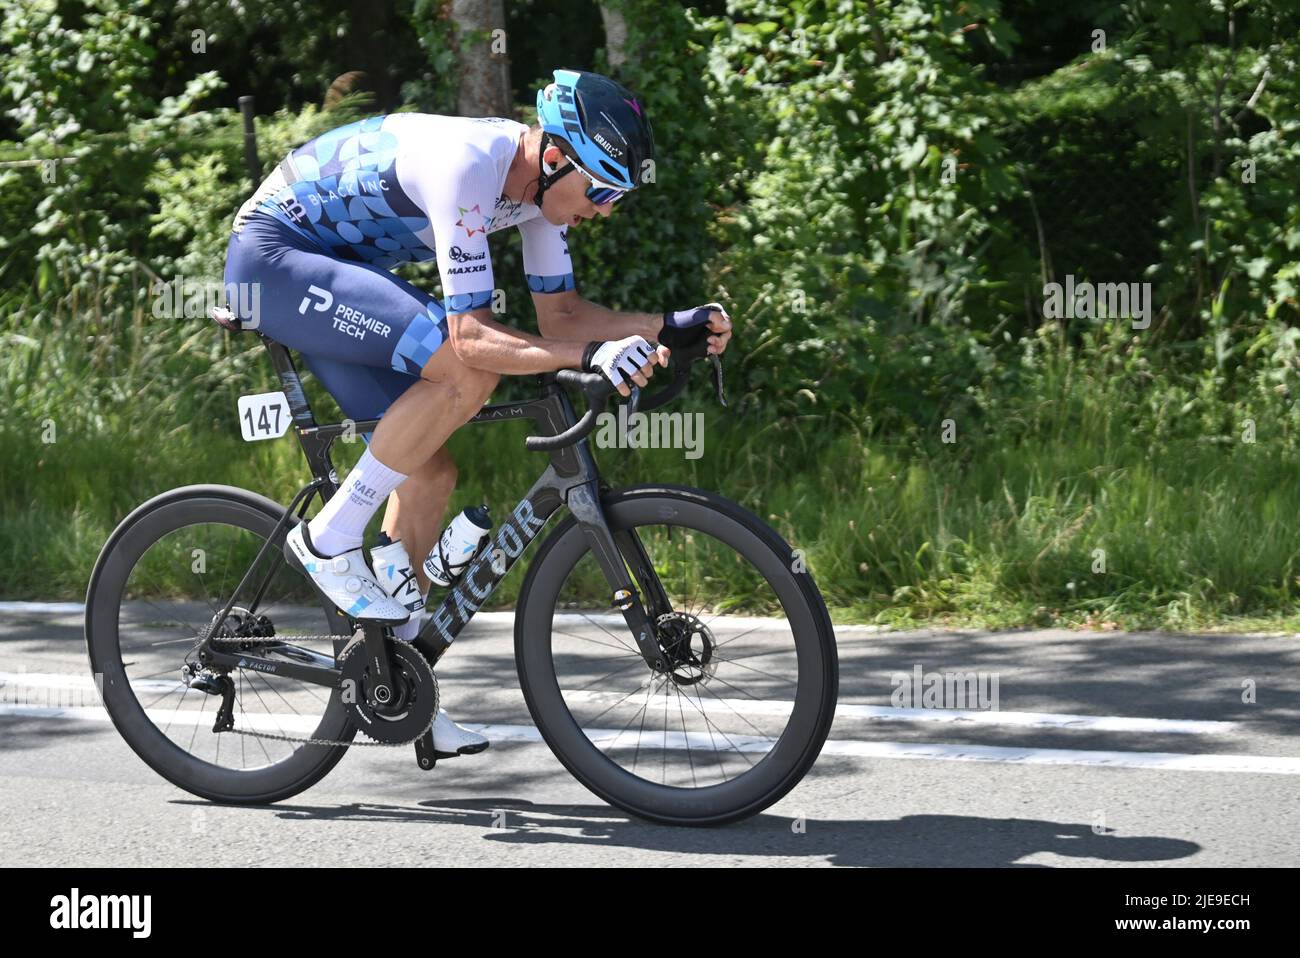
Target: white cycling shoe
point(346, 581)
point(394, 574)
point(450, 739)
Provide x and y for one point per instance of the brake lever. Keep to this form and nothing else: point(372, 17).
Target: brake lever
point(634, 400)
point(716, 362)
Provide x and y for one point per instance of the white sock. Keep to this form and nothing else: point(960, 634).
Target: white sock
point(340, 524)
point(407, 631)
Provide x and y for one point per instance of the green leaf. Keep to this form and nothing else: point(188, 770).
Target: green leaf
point(913, 154)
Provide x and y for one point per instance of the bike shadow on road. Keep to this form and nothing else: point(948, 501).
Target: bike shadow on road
point(922, 841)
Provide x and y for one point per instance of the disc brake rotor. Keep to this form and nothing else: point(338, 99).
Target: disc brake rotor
point(688, 645)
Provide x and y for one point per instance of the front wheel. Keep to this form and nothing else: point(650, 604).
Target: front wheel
point(743, 711)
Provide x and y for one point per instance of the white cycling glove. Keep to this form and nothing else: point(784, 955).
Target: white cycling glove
point(619, 360)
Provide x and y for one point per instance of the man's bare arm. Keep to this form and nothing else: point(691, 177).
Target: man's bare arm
point(483, 343)
point(567, 315)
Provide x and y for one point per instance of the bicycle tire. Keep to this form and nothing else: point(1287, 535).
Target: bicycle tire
point(175, 509)
point(811, 718)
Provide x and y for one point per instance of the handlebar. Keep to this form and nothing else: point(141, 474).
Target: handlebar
point(598, 390)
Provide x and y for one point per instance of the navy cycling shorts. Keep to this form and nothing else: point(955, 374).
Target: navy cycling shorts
point(365, 333)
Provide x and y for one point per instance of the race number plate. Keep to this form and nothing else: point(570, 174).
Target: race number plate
point(264, 416)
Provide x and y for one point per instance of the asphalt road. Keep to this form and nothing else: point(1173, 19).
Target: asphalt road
point(1104, 749)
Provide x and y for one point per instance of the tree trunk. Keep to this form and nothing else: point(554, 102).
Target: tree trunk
point(369, 26)
point(481, 58)
point(615, 36)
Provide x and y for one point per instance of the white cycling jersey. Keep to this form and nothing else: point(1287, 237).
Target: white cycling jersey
point(410, 187)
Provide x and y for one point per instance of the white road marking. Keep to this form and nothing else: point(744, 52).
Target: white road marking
point(879, 713)
point(650, 741)
point(187, 718)
point(1172, 761)
point(885, 713)
point(46, 607)
point(17, 683)
point(1178, 761)
point(64, 680)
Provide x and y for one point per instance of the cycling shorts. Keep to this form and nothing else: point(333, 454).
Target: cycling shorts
point(363, 332)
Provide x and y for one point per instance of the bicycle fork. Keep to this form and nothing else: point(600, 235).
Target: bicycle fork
point(584, 503)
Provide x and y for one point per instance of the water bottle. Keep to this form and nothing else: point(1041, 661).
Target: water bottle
point(394, 572)
point(457, 545)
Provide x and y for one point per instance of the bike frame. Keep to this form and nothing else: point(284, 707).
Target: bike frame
point(571, 479)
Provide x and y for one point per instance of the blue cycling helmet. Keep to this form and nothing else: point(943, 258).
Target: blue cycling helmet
point(598, 124)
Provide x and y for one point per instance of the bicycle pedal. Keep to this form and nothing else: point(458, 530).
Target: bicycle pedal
point(425, 754)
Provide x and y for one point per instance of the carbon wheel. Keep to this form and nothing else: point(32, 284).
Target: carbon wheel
point(742, 712)
point(157, 588)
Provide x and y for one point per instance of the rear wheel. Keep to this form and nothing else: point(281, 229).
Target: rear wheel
point(158, 586)
point(743, 711)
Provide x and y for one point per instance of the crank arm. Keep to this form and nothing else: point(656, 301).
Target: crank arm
point(382, 688)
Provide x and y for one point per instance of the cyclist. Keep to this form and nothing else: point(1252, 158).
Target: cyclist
point(323, 231)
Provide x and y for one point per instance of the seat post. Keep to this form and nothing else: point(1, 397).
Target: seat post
point(314, 441)
point(290, 383)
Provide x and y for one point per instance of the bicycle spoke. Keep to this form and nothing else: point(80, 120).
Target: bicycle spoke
point(758, 731)
point(756, 671)
point(629, 649)
point(694, 720)
point(686, 736)
point(630, 665)
point(601, 714)
point(607, 632)
point(710, 724)
point(629, 722)
point(173, 610)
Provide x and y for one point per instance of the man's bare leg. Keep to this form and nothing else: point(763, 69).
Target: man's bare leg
point(422, 419)
point(412, 434)
point(417, 510)
point(419, 424)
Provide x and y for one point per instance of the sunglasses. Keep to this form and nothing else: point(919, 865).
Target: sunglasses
point(598, 192)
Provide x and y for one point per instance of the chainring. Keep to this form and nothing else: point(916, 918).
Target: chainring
point(414, 702)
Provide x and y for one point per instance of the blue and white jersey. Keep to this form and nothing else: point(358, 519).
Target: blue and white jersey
point(411, 187)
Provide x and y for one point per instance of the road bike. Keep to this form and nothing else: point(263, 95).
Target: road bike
point(672, 649)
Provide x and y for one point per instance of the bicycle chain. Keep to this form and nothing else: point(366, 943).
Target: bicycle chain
point(281, 640)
